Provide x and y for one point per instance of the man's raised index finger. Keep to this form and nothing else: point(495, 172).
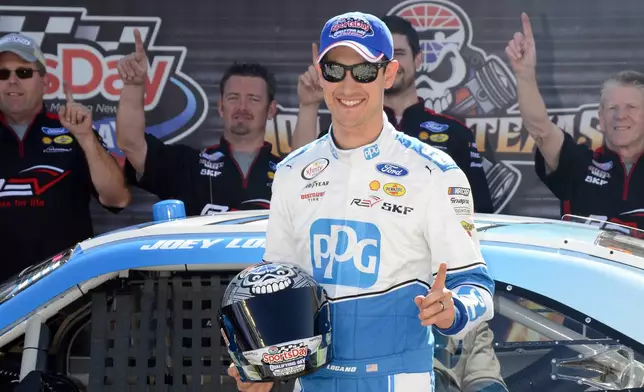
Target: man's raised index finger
point(314, 52)
point(527, 27)
point(68, 92)
point(441, 276)
point(138, 43)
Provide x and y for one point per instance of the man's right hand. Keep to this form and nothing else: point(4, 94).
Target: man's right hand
point(521, 50)
point(308, 85)
point(133, 68)
point(248, 386)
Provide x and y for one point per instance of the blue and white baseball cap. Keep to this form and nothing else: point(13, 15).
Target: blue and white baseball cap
point(365, 33)
point(24, 47)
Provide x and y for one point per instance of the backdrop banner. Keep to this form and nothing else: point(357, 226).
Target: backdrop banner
point(465, 72)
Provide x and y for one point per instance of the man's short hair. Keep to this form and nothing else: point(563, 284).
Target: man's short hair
point(627, 78)
point(251, 69)
point(398, 25)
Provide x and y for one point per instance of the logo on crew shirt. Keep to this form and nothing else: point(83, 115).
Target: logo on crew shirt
point(63, 139)
point(599, 173)
point(439, 138)
point(31, 183)
point(606, 166)
point(54, 131)
point(345, 252)
point(52, 150)
point(212, 167)
point(433, 126)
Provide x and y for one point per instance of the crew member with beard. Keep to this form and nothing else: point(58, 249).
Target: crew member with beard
point(407, 112)
point(236, 174)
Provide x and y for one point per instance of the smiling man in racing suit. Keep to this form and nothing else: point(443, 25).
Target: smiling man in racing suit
point(373, 214)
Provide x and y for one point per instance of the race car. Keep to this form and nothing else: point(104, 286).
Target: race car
point(135, 309)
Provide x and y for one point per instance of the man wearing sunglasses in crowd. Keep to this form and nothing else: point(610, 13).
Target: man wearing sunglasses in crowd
point(407, 112)
point(50, 163)
point(366, 210)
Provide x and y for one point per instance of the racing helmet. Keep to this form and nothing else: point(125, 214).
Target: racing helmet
point(275, 320)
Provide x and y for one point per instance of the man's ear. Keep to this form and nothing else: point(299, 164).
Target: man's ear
point(272, 110)
point(418, 60)
point(45, 80)
point(390, 73)
point(220, 107)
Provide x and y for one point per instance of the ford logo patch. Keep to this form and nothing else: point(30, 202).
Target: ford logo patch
point(391, 170)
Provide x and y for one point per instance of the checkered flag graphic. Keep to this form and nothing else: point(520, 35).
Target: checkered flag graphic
point(287, 348)
point(49, 26)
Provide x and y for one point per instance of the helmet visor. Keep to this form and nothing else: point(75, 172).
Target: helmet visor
point(279, 335)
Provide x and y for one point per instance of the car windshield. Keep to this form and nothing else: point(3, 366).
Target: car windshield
point(31, 274)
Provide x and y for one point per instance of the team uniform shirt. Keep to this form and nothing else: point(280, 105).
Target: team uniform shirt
point(45, 190)
point(372, 225)
point(596, 184)
point(452, 136)
point(209, 181)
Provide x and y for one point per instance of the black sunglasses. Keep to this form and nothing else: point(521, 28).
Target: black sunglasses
point(361, 73)
point(21, 73)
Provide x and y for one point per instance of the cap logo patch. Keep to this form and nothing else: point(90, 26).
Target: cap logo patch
point(351, 27)
point(13, 38)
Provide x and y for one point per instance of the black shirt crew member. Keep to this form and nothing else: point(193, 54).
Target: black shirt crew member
point(596, 184)
point(453, 137)
point(210, 181)
point(45, 189)
point(50, 164)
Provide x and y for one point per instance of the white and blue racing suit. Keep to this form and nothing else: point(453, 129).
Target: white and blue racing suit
point(372, 225)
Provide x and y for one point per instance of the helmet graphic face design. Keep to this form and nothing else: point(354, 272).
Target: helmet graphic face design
point(268, 279)
point(276, 323)
point(265, 278)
